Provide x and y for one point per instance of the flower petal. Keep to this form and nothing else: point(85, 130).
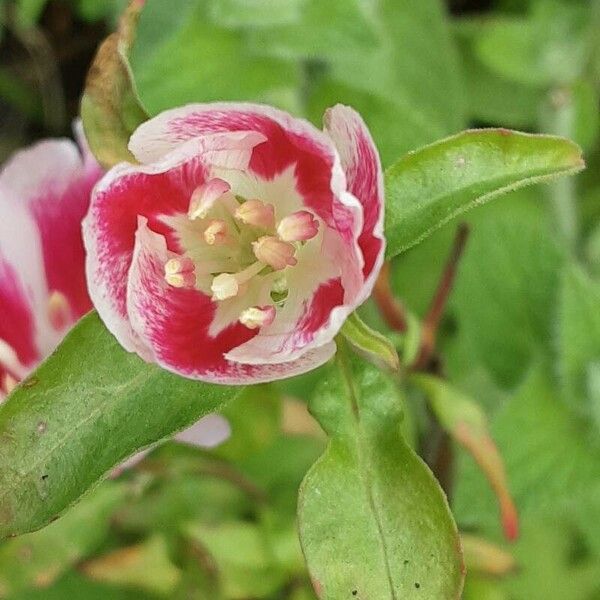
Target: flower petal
point(291, 142)
point(174, 324)
point(153, 191)
point(53, 181)
point(360, 161)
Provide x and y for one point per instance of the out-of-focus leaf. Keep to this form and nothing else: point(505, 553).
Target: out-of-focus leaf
point(76, 586)
point(255, 420)
point(507, 288)
point(255, 13)
point(197, 61)
point(110, 107)
point(546, 569)
point(579, 335)
point(179, 499)
point(86, 409)
point(487, 91)
point(146, 566)
point(427, 188)
point(370, 344)
point(36, 560)
point(373, 521)
point(406, 102)
point(247, 568)
point(484, 557)
point(546, 47)
point(551, 460)
point(279, 468)
point(466, 422)
point(28, 12)
point(482, 588)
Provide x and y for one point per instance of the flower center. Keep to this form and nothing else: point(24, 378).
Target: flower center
point(240, 242)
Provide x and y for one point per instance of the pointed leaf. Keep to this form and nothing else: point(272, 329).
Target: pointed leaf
point(373, 521)
point(86, 409)
point(370, 344)
point(427, 188)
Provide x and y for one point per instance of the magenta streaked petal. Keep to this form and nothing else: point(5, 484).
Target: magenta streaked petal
point(175, 323)
point(361, 163)
point(54, 182)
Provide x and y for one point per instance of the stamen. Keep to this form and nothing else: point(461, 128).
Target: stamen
point(256, 213)
point(228, 285)
point(274, 252)
point(205, 196)
point(258, 316)
point(9, 383)
point(179, 272)
point(216, 233)
point(298, 227)
point(59, 310)
point(10, 360)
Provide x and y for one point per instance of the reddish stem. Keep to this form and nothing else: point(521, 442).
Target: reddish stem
point(433, 318)
point(390, 308)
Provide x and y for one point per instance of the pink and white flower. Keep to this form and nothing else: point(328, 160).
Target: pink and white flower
point(44, 195)
point(238, 246)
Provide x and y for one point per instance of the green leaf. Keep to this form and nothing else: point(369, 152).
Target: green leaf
point(255, 13)
point(255, 421)
point(194, 60)
point(370, 344)
point(241, 552)
point(110, 107)
point(579, 336)
point(146, 566)
point(87, 408)
point(507, 288)
point(466, 422)
point(370, 65)
point(38, 559)
point(427, 188)
point(551, 458)
point(373, 521)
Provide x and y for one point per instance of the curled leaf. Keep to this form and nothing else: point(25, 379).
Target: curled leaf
point(466, 422)
point(486, 558)
point(110, 107)
point(370, 344)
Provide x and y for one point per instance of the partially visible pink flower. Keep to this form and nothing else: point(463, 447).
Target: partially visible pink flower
point(236, 250)
point(44, 195)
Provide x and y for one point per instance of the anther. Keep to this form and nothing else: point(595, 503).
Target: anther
point(216, 233)
point(274, 252)
point(298, 227)
point(258, 316)
point(59, 310)
point(205, 196)
point(228, 285)
point(179, 272)
point(256, 213)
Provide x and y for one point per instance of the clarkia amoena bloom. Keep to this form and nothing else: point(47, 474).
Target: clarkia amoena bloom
point(238, 246)
point(44, 195)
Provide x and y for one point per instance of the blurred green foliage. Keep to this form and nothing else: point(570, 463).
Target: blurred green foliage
point(521, 336)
